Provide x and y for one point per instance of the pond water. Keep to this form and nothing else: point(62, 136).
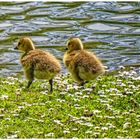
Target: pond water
point(110, 29)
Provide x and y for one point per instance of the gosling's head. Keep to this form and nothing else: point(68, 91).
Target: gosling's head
point(25, 44)
point(74, 44)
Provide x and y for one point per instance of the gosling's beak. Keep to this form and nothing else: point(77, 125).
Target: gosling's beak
point(16, 48)
point(66, 48)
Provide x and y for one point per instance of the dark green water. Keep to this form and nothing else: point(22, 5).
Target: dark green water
point(110, 29)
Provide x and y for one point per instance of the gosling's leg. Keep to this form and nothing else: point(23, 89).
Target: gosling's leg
point(51, 85)
point(30, 75)
point(82, 83)
point(29, 83)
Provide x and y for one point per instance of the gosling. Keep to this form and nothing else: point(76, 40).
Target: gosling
point(82, 65)
point(37, 63)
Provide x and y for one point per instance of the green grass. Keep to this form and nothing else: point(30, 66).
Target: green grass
point(106, 108)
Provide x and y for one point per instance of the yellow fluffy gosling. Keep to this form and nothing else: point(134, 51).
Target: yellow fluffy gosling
point(37, 63)
point(82, 65)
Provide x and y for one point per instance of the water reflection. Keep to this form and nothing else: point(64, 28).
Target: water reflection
point(110, 29)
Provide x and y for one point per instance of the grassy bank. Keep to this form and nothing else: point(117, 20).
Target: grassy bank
point(106, 108)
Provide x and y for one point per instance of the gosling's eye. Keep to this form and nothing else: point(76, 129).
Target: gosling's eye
point(19, 43)
point(69, 43)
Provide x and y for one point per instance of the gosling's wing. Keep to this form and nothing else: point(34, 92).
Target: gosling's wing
point(41, 61)
point(87, 62)
point(88, 66)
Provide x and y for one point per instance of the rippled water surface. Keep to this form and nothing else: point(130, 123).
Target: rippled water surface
point(110, 29)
